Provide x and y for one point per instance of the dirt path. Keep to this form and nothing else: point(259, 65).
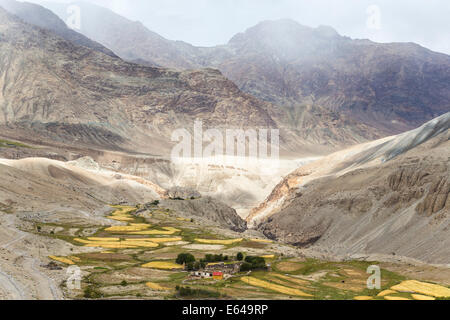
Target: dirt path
point(9, 285)
point(42, 287)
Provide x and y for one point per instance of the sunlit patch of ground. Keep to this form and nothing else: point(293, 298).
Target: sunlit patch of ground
point(275, 287)
point(288, 266)
point(363, 298)
point(62, 259)
point(213, 241)
point(165, 231)
point(155, 286)
point(167, 265)
point(424, 288)
point(395, 298)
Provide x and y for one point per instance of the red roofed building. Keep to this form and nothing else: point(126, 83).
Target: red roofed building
point(218, 275)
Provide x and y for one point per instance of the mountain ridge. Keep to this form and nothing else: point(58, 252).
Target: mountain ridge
point(390, 196)
point(78, 94)
point(35, 14)
point(326, 87)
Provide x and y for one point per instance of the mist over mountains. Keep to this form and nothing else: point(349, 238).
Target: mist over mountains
point(329, 89)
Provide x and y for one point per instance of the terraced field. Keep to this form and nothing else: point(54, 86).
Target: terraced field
point(136, 259)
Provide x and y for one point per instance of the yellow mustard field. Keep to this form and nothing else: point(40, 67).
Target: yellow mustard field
point(421, 297)
point(165, 231)
point(275, 287)
point(115, 244)
point(212, 241)
point(155, 286)
point(162, 265)
point(130, 228)
point(394, 298)
point(62, 259)
point(162, 240)
point(102, 239)
point(363, 298)
point(424, 288)
point(121, 218)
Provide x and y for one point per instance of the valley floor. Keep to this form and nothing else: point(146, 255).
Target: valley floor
point(133, 257)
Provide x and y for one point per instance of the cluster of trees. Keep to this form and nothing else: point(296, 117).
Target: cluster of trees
point(215, 258)
point(253, 263)
point(250, 262)
point(189, 260)
point(193, 265)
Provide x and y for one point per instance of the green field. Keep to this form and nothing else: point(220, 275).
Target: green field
point(116, 269)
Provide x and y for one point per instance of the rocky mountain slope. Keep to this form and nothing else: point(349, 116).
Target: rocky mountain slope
point(39, 16)
point(330, 89)
point(57, 91)
point(139, 45)
point(389, 197)
point(84, 186)
point(209, 209)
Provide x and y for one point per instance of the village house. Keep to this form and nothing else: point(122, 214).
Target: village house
point(217, 271)
point(230, 268)
point(201, 274)
point(218, 275)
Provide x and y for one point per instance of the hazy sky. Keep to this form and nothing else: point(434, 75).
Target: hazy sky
point(212, 22)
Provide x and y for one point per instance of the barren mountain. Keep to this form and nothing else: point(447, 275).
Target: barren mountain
point(391, 87)
point(330, 89)
point(389, 197)
point(39, 16)
point(55, 90)
point(131, 40)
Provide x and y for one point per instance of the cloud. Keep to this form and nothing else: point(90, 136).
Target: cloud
point(212, 22)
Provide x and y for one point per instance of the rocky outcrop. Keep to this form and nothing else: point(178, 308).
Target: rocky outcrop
point(209, 209)
point(181, 193)
point(56, 91)
point(437, 198)
point(39, 16)
point(362, 204)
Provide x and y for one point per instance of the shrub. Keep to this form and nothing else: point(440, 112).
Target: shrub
point(185, 258)
point(215, 258)
point(245, 267)
point(240, 256)
point(188, 292)
point(190, 266)
point(252, 263)
point(91, 293)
